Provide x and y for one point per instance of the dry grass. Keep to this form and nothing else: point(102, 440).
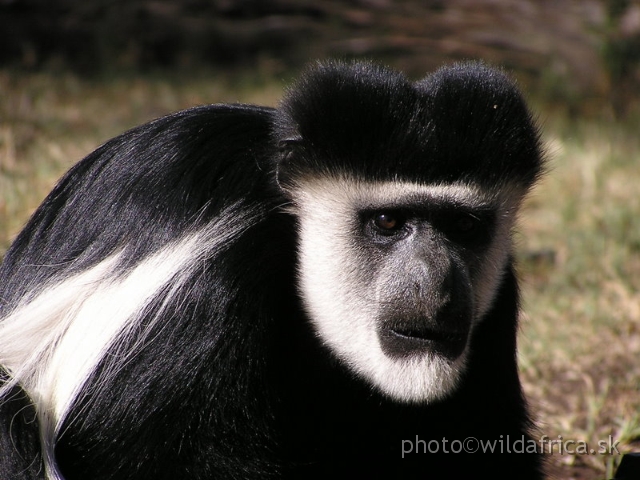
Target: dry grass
point(579, 243)
point(580, 260)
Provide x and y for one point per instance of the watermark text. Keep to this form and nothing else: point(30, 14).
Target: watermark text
point(507, 444)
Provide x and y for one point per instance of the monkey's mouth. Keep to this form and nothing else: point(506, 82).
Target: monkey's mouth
point(416, 339)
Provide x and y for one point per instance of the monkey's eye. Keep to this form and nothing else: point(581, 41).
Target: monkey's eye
point(386, 221)
point(466, 228)
point(389, 222)
point(466, 223)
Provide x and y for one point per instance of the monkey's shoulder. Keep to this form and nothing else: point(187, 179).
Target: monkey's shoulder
point(150, 186)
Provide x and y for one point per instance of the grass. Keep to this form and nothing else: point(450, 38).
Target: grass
point(578, 242)
point(579, 246)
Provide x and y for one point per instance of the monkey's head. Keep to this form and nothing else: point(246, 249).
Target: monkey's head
point(405, 194)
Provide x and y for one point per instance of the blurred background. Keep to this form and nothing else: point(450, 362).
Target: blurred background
point(581, 53)
point(74, 73)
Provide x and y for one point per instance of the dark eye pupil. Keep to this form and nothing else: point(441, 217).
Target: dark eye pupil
point(386, 221)
point(465, 224)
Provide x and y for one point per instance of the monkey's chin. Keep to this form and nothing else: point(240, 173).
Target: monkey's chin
point(416, 379)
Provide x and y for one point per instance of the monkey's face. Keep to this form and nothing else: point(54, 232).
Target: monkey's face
point(396, 275)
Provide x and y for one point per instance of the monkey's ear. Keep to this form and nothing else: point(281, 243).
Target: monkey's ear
point(288, 150)
point(286, 146)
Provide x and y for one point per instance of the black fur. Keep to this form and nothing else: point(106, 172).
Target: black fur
point(465, 122)
point(19, 442)
point(234, 383)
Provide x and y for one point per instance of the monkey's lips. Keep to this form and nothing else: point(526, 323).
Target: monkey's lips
point(417, 338)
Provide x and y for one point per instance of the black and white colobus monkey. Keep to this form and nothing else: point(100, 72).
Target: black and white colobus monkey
point(322, 290)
